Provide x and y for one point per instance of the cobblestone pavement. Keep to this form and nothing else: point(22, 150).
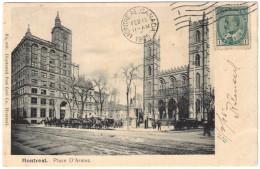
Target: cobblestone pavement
point(32, 140)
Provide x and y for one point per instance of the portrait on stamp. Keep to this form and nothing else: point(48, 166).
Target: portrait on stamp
point(232, 26)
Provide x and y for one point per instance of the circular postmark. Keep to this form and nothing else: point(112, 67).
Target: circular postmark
point(139, 23)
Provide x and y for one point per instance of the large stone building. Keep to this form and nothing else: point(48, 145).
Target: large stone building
point(179, 92)
point(39, 70)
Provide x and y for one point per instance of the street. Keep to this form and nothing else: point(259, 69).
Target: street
point(41, 140)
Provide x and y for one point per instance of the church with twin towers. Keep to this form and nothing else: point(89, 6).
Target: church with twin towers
point(180, 92)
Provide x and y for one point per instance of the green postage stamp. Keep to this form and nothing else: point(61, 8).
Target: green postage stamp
point(232, 26)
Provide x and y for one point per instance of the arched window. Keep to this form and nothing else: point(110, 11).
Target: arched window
point(52, 53)
point(34, 48)
point(197, 36)
point(64, 57)
point(172, 82)
point(197, 60)
point(162, 84)
point(184, 81)
point(149, 70)
point(43, 51)
point(198, 80)
point(34, 51)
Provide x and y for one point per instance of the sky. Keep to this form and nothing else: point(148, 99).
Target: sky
point(97, 40)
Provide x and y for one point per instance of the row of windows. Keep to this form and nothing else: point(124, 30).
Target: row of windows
point(34, 100)
point(44, 75)
point(42, 112)
point(162, 84)
point(43, 83)
point(44, 51)
point(52, 69)
point(43, 92)
point(43, 66)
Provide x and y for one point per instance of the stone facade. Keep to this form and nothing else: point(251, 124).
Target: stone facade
point(39, 70)
point(170, 94)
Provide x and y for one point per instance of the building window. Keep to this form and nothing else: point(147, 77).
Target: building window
point(184, 81)
point(44, 75)
point(197, 36)
point(197, 60)
point(43, 66)
point(34, 64)
point(51, 102)
point(198, 80)
point(34, 82)
point(64, 65)
point(52, 53)
point(34, 90)
point(52, 62)
point(34, 49)
point(43, 112)
point(162, 84)
point(52, 76)
point(44, 83)
point(43, 92)
point(43, 59)
point(52, 85)
point(43, 101)
point(33, 100)
point(34, 73)
point(33, 112)
point(172, 82)
point(65, 47)
point(149, 70)
point(64, 57)
point(43, 51)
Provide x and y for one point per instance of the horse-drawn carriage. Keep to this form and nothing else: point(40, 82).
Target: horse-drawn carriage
point(186, 124)
point(86, 123)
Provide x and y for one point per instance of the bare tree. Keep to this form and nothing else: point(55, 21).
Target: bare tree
point(130, 73)
point(78, 90)
point(82, 93)
point(100, 82)
point(70, 93)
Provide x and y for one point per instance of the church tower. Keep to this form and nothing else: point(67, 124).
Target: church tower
point(151, 69)
point(61, 36)
point(199, 72)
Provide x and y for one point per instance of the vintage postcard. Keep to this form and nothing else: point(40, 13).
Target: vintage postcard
point(130, 84)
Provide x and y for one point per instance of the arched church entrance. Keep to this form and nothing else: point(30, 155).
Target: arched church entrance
point(62, 110)
point(172, 105)
point(183, 108)
point(161, 107)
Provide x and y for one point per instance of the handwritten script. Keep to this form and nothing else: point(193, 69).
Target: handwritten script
point(230, 109)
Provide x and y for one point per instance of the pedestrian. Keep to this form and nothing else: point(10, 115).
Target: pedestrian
point(159, 125)
point(206, 128)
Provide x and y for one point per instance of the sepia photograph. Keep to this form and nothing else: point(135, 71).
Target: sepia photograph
point(127, 80)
